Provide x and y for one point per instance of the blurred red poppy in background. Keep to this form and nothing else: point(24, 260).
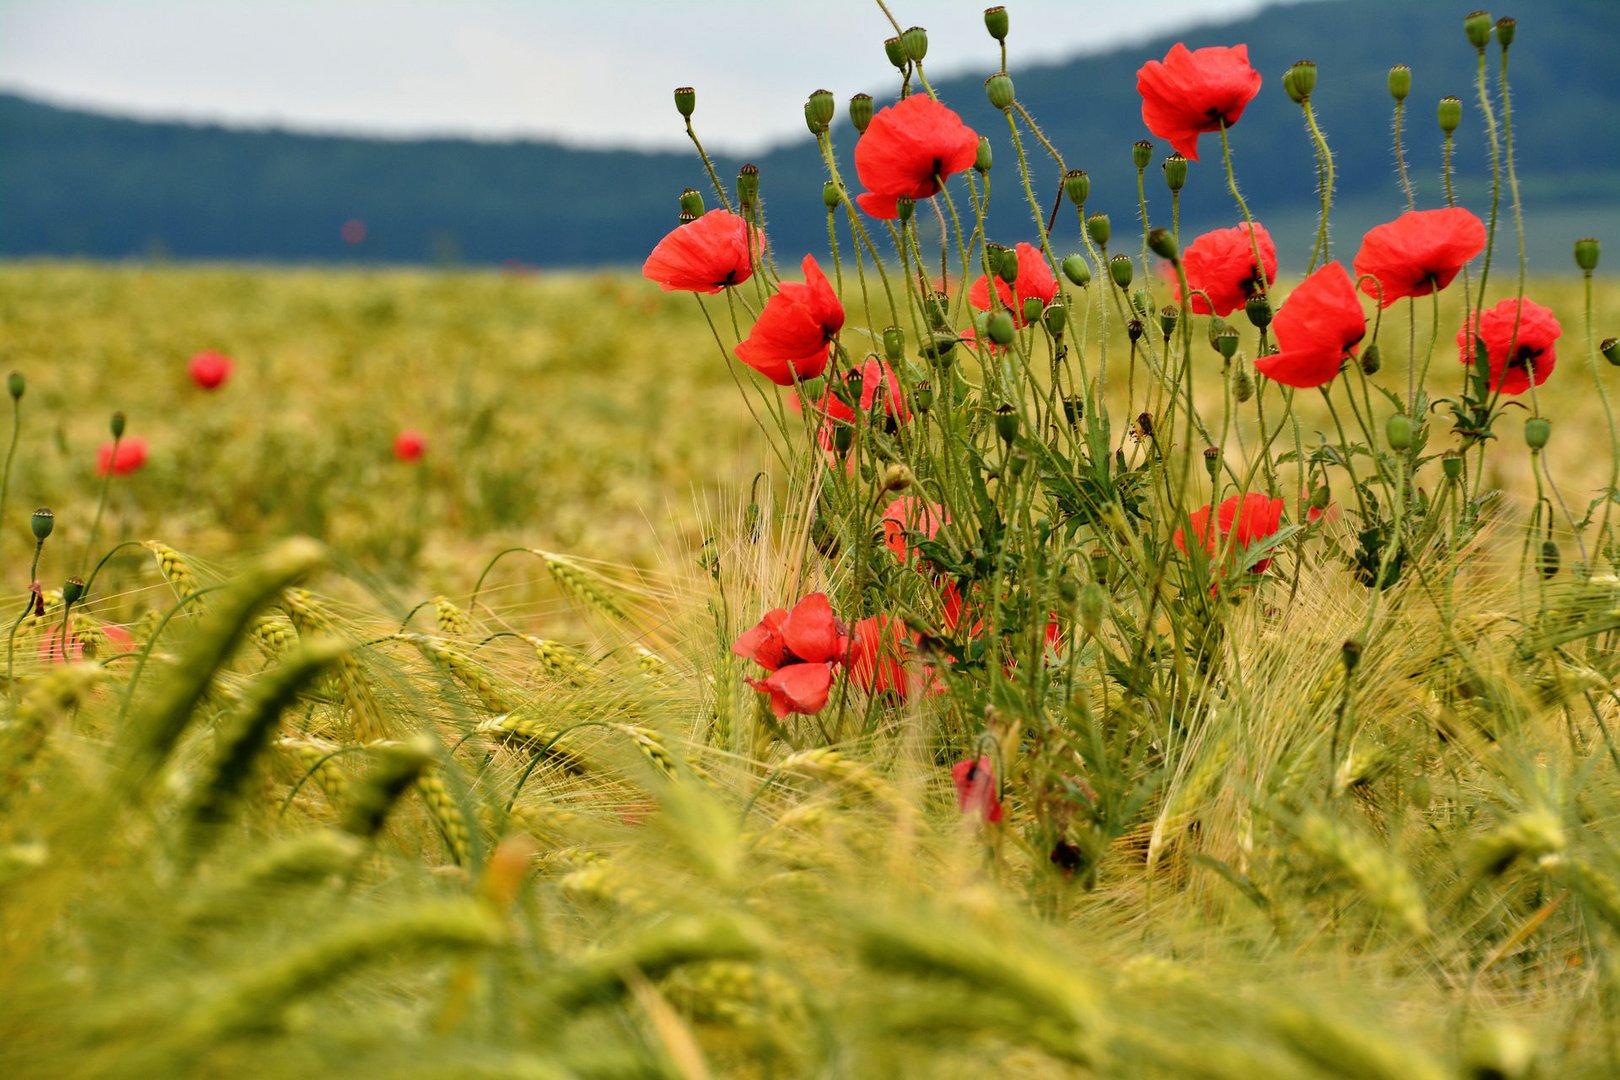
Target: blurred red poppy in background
point(1244, 520)
point(1190, 92)
point(790, 340)
point(1035, 279)
point(907, 516)
point(1518, 340)
point(976, 789)
point(908, 150)
point(1418, 253)
point(121, 458)
point(705, 255)
point(878, 655)
point(1220, 263)
point(1319, 324)
point(209, 369)
point(409, 445)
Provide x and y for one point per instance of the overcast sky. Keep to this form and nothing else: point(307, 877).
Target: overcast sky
point(591, 72)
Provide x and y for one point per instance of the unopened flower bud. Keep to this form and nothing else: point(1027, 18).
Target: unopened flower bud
point(830, 195)
point(895, 51)
point(73, 591)
point(1548, 562)
point(692, 203)
point(860, 111)
point(1056, 317)
point(1537, 430)
point(915, 42)
point(1321, 497)
point(938, 306)
point(685, 100)
point(1167, 320)
point(897, 477)
point(1091, 607)
point(1398, 432)
point(999, 328)
point(822, 106)
point(1077, 270)
point(1452, 465)
point(1506, 29)
point(894, 343)
point(1077, 186)
point(1258, 309)
point(1134, 330)
point(1372, 358)
point(116, 426)
point(1141, 154)
point(1212, 461)
point(982, 158)
point(1175, 171)
point(1032, 309)
point(995, 21)
point(1304, 80)
point(1586, 253)
point(1162, 242)
point(1098, 229)
point(1610, 348)
point(748, 184)
point(1477, 26)
point(999, 89)
point(843, 438)
point(1449, 114)
point(922, 398)
point(1242, 382)
point(1400, 82)
point(1006, 423)
point(42, 522)
point(1121, 269)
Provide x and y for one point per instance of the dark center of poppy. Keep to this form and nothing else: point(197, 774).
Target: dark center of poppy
point(1250, 286)
point(1525, 357)
point(729, 279)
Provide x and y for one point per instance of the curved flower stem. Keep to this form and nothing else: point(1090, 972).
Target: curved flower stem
point(1496, 172)
point(1608, 414)
point(714, 178)
point(1324, 164)
point(11, 642)
point(5, 477)
point(1400, 156)
point(101, 505)
point(1243, 207)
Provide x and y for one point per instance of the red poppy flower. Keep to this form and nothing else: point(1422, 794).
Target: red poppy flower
point(409, 445)
point(790, 340)
point(976, 789)
point(907, 150)
point(909, 516)
point(705, 255)
point(1319, 324)
point(1518, 341)
point(1418, 253)
point(209, 369)
point(52, 649)
point(872, 377)
point(800, 649)
point(1220, 263)
point(121, 458)
point(878, 655)
point(1034, 279)
point(1240, 523)
point(1191, 92)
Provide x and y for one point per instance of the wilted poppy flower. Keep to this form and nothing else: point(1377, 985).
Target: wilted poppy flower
point(908, 150)
point(878, 655)
point(209, 369)
point(976, 789)
point(705, 255)
point(910, 516)
point(1220, 263)
point(1418, 253)
point(1240, 522)
point(121, 458)
point(1034, 280)
point(800, 649)
point(1319, 324)
point(1191, 92)
point(409, 445)
point(790, 340)
point(1518, 340)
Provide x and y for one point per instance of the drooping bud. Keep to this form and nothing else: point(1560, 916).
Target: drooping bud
point(1610, 348)
point(1212, 461)
point(897, 477)
point(1162, 242)
point(1006, 423)
point(1372, 358)
point(1141, 154)
point(1304, 74)
point(1077, 270)
point(999, 328)
point(16, 384)
point(915, 43)
point(1449, 114)
point(1032, 309)
point(1258, 309)
point(1175, 172)
point(1506, 30)
point(42, 522)
point(116, 425)
point(1398, 432)
point(1098, 229)
point(692, 203)
point(1586, 254)
point(860, 111)
point(685, 100)
point(1167, 320)
point(73, 591)
point(1548, 562)
point(995, 21)
point(1135, 329)
point(1537, 430)
point(894, 343)
point(748, 184)
point(1092, 606)
point(830, 195)
point(822, 106)
point(895, 51)
point(1477, 25)
point(1077, 186)
point(1056, 317)
point(1451, 463)
point(1121, 269)
point(1242, 382)
point(982, 158)
point(999, 89)
point(1400, 82)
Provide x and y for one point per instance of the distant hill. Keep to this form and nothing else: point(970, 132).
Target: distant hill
point(80, 184)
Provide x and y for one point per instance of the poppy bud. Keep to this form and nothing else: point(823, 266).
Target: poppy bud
point(860, 111)
point(1610, 348)
point(1121, 270)
point(915, 43)
point(1212, 461)
point(939, 311)
point(1242, 383)
point(1032, 309)
point(1321, 497)
point(42, 523)
point(1134, 330)
point(995, 21)
point(1586, 254)
point(685, 100)
point(1175, 172)
point(116, 426)
point(1077, 270)
point(843, 438)
point(1350, 655)
point(895, 51)
point(1506, 29)
point(1056, 317)
point(1226, 342)
point(1304, 73)
point(748, 184)
point(983, 157)
point(1093, 606)
point(692, 203)
point(1167, 320)
point(894, 343)
point(1006, 423)
point(999, 89)
point(1478, 28)
point(922, 398)
point(1537, 430)
point(1098, 229)
point(830, 195)
point(1258, 309)
point(72, 591)
point(1451, 464)
point(1400, 82)
point(904, 207)
point(1162, 242)
point(1372, 358)
point(999, 328)
point(1398, 431)
point(1141, 154)
point(1548, 561)
point(1449, 114)
point(16, 384)
point(1077, 186)
point(897, 477)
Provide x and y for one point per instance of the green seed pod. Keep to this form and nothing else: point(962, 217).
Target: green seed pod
point(1007, 265)
point(42, 522)
point(692, 203)
point(922, 398)
point(1032, 309)
point(860, 111)
point(1093, 605)
point(938, 306)
point(895, 51)
point(999, 89)
point(1077, 186)
point(1477, 26)
point(1400, 82)
point(1056, 317)
point(1175, 171)
point(1242, 382)
point(1162, 242)
point(999, 328)
point(1135, 329)
point(1350, 655)
point(1452, 465)
point(1141, 154)
point(1290, 85)
point(1398, 432)
point(1321, 497)
point(1099, 565)
point(1077, 270)
point(1218, 327)
point(1371, 359)
point(813, 121)
point(1226, 342)
point(898, 476)
point(1167, 320)
point(915, 43)
point(824, 105)
point(1121, 269)
point(1098, 229)
point(982, 157)
point(685, 100)
point(685, 218)
point(1304, 73)
point(1258, 309)
point(1506, 30)
point(1611, 350)
point(1212, 461)
point(1547, 563)
point(1449, 114)
point(1586, 253)
point(995, 21)
point(748, 184)
point(116, 425)
point(904, 207)
point(16, 384)
point(894, 343)
point(843, 439)
point(72, 591)
point(1017, 462)
point(1006, 423)
point(831, 197)
point(939, 348)
point(1537, 430)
